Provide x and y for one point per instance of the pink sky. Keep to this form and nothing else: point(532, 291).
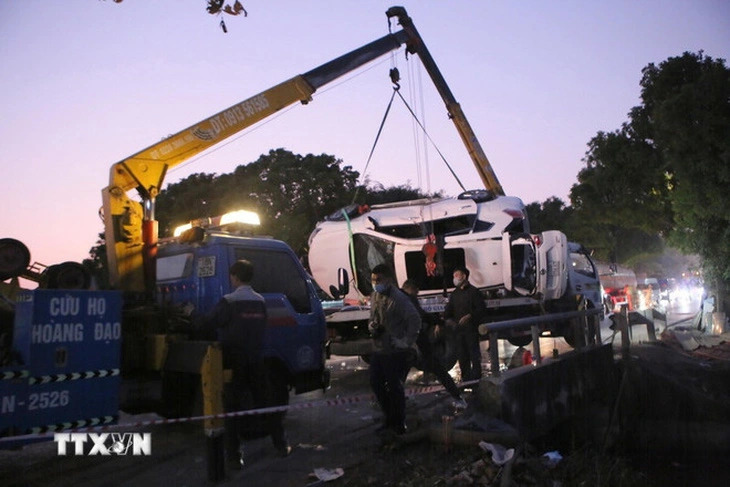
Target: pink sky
point(87, 83)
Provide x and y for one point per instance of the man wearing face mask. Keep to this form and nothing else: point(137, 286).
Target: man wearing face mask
point(463, 313)
point(394, 324)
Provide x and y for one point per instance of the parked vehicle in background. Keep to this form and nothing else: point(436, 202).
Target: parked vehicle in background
point(583, 277)
point(617, 282)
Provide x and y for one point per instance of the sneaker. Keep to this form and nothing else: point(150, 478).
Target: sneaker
point(284, 451)
point(459, 403)
point(235, 462)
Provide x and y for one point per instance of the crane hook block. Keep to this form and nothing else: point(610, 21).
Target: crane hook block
point(395, 77)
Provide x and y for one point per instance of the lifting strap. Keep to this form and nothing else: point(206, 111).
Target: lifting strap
point(351, 249)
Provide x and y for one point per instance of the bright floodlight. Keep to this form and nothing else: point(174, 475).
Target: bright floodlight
point(179, 230)
point(240, 216)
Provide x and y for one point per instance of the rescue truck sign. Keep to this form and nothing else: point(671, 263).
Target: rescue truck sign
point(64, 365)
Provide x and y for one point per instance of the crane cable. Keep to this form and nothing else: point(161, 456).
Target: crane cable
point(431, 140)
point(414, 128)
point(422, 164)
point(377, 137)
point(395, 78)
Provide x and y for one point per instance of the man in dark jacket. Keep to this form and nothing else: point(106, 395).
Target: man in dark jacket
point(395, 324)
point(239, 320)
point(464, 312)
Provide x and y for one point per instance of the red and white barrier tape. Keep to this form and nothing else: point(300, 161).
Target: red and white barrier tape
point(248, 412)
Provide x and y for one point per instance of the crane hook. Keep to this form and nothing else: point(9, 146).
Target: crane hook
point(395, 78)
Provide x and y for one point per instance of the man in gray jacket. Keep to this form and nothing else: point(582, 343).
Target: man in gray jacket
point(395, 324)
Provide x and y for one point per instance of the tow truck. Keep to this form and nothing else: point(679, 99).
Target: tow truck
point(154, 278)
point(59, 348)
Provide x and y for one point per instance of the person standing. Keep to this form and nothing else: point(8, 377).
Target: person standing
point(431, 361)
point(394, 324)
point(463, 313)
point(239, 321)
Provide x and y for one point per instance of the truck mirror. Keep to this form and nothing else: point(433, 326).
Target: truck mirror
point(343, 282)
point(334, 292)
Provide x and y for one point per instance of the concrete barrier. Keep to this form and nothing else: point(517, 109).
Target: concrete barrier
point(536, 399)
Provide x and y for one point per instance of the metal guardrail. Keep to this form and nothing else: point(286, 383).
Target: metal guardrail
point(580, 327)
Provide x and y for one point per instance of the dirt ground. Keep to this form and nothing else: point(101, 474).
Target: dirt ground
point(674, 430)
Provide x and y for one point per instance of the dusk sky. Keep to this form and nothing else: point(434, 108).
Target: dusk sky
point(86, 83)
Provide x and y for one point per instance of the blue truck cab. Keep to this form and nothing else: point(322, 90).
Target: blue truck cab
point(195, 271)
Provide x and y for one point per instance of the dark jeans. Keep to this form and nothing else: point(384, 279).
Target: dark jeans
point(432, 361)
point(468, 352)
point(249, 389)
point(387, 370)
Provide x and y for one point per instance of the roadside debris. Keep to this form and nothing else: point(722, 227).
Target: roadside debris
point(310, 446)
point(500, 454)
point(691, 339)
point(325, 475)
point(552, 458)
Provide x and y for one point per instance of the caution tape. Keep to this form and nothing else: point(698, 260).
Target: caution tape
point(89, 374)
point(73, 425)
point(47, 379)
point(47, 431)
point(14, 374)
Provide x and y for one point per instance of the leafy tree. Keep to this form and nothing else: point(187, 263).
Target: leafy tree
point(377, 194)
point(687, 100)
point(217, 7)
point(686, 105)
point(664, 175)
point(620, 200)
point(551, 214)
point(292, 192)
point(96, 264)
point(191, 198)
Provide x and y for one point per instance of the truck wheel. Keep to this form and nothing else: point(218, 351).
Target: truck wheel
point(569, 335)
point(14, 258)
point(68, 275)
